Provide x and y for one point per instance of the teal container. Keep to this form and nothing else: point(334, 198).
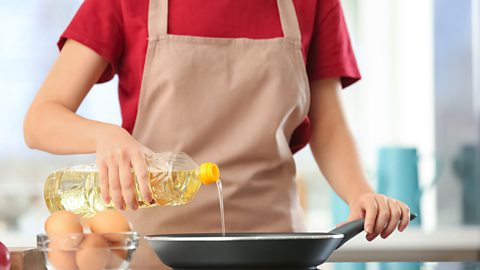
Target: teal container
point(401, 266)
point(466, 166)
point(350, 266)
point(397, 173)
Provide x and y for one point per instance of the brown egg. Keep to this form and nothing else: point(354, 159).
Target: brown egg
point(63, 222)
point(60, 259)
point(64, 230)
point(94, 253)
point(110, 221)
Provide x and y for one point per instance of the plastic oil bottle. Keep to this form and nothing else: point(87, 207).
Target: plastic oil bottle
point(174, 180)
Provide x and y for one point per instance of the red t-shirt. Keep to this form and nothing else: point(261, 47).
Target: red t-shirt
point(117, 30)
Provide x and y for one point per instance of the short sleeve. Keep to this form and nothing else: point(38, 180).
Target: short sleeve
point(330, 53)
point(98, 25)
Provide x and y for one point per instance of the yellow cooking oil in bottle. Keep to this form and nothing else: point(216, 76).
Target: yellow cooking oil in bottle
point(174, 180)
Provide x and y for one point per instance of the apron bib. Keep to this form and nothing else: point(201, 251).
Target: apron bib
point(232, 101)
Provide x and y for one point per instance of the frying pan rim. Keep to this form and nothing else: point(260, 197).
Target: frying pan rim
point(179, 238)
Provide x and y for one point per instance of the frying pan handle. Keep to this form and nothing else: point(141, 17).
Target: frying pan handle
point(351, 229)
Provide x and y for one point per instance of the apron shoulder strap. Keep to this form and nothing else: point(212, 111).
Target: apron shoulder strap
point(288, 18)
point(157, 18)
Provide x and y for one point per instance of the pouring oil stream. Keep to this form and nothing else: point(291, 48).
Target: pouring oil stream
point(220, 199)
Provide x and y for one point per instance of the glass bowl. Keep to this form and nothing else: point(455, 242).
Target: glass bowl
point(78, 251)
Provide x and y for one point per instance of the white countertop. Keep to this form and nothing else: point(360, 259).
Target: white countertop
point(444, 244)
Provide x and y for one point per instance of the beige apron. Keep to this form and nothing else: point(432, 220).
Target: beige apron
point(235, 102)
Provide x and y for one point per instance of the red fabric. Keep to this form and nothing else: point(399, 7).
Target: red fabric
point(117, 30)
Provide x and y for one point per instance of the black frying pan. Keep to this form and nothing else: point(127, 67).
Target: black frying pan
point(252, 250)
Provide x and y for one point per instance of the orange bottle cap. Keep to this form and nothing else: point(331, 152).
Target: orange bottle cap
point(209, 173)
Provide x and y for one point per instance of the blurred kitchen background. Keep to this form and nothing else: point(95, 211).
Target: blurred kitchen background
point(417, 106)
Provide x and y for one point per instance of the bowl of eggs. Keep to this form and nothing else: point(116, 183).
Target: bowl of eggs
point(105, 241)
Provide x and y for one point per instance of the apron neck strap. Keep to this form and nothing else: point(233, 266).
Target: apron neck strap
point(163, 23)
point(158, 18)
point(288, 18)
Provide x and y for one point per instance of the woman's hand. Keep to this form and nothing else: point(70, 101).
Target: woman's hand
point(381, 213)
point(117, 153)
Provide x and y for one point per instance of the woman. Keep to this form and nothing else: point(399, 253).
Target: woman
point(244, 84)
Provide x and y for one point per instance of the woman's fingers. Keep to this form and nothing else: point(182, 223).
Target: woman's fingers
point(114, 185)
point(103, 177)
point(117, 152)
point(140, 168)
point(126, 181)
point(117, 179)
point(381, 213)
point(395, 215)
point(371, 209)
point(382, 217)
point(405, 216)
